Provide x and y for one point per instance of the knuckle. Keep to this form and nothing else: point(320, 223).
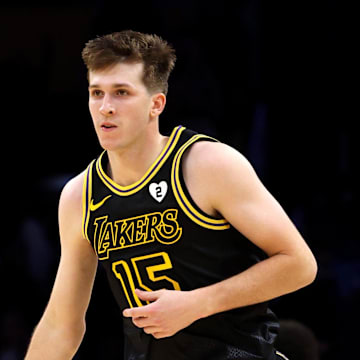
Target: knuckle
point(153, 309)
point(150, 312)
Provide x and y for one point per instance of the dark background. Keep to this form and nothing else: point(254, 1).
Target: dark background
point(275, 81)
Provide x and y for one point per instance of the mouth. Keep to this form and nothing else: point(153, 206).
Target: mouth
point(107, 126)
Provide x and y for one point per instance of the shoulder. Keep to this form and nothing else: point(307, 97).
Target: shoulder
point(215, 159)
point(216, 174)
point(73, 190)
point(71, 202)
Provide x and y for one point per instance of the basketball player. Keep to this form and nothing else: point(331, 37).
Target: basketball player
point(193, 244)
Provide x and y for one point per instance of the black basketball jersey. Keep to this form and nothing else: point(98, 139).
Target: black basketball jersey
point(151, 235)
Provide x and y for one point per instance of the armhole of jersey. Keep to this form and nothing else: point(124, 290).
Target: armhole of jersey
point(185, 202)
point(86, 198)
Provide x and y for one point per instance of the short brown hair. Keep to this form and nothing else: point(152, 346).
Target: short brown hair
point(155, 53)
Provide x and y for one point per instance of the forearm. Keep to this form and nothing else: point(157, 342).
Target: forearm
point(50, 342)
point(268, 279)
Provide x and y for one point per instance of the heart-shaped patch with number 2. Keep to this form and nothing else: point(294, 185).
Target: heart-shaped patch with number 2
point(158, 191)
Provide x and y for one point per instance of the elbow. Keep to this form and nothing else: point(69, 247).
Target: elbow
point(70, 338)
point(313, 269)
point(70, 335)
point(300, 271)
point(307, 270)
point(76, 336)
point(55, 340)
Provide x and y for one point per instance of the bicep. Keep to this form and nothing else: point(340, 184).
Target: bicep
point(245, 202)
point(77, 268)
point(262, 220)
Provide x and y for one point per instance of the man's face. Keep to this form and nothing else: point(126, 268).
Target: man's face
point(120, 104)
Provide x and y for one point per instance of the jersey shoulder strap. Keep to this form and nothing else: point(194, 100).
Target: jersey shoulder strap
point(86, 197)
point(183, 197)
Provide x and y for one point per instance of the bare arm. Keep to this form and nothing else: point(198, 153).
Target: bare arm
point(232, 189)
point(244, 201)
point(62, 326)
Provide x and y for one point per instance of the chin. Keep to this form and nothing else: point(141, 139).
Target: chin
point(110, 145)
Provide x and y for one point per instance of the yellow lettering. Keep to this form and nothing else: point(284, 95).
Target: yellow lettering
point(139, 230)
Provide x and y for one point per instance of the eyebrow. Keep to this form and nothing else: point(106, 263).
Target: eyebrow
point(115, 86)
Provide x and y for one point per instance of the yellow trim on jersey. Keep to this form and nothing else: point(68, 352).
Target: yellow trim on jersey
point(86, 198)
point(184, 203)
point(154, 168)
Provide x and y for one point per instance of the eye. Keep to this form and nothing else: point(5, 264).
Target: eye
point(122, 92)
point(96, 93)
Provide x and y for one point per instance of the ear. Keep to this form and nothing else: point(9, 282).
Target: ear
point(158, 102)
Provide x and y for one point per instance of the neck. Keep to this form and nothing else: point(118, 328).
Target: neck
point(129, 165)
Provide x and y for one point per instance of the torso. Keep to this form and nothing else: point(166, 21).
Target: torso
point(162, 233)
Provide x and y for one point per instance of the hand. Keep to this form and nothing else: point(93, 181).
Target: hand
point(168, 312)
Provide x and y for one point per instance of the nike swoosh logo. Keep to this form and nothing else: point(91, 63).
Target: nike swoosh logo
point(94, 207)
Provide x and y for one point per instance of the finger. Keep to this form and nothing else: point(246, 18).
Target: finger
point(147, 295)
point(142, 311)
point(127, 313)
point(142, 322)
point(137, 312)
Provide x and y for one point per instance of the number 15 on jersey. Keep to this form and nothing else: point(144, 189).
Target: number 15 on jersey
point(148, 272)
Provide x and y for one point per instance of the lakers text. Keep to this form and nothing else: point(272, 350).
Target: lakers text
point(140, 230)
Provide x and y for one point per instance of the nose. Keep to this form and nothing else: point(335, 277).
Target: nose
point(107, 108)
